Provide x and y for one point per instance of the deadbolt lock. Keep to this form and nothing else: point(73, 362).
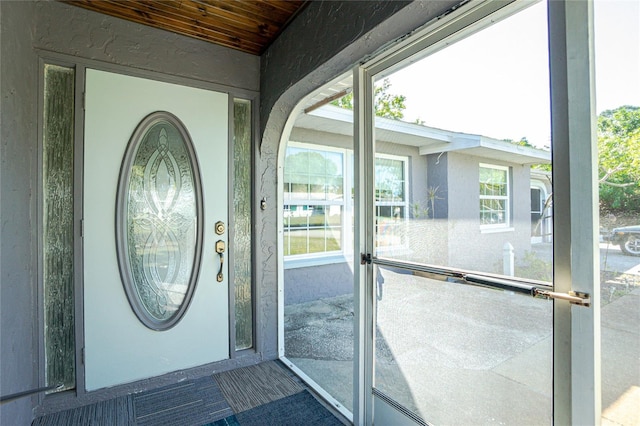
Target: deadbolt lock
point(219, 227)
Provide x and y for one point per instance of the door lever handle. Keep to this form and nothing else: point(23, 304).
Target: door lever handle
point(220, 247)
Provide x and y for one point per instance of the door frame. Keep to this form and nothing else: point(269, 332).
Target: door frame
point(79, 395)
point(576, 330)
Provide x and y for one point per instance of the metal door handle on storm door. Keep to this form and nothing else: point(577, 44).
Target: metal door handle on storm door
point(220, 250)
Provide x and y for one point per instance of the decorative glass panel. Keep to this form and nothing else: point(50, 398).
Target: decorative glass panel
point(241, 247)
point(57, 222)
point(159, 222)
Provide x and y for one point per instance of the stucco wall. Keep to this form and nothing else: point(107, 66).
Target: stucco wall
point(437, 177)
point(58, 27)
point(327, 39)
point(18, 85)
point(469, 247)
point(78, 32)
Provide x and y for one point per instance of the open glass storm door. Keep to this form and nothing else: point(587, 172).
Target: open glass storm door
point(457, 336)
point(155, 186)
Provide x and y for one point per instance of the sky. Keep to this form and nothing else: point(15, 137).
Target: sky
point(496, 82)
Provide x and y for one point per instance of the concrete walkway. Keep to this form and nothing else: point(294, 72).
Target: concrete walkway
point(458, 354)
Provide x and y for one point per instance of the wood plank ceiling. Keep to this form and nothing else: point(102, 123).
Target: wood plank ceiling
point(246, 25)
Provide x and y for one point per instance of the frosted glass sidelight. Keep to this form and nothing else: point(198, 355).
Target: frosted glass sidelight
point(57, 222)
point(242, 224)
point(159, 220)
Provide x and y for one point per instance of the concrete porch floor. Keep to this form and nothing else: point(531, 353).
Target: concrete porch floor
point(457, 354)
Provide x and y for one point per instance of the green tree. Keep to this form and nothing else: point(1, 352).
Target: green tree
point(386, 104)
point(619, 159)
point(524, 142)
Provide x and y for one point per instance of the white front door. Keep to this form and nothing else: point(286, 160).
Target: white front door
point(119, 348)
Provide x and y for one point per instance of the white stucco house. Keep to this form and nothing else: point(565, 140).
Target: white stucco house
point(436, 182)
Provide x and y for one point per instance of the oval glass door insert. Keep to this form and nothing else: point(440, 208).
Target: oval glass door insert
point(159, 220)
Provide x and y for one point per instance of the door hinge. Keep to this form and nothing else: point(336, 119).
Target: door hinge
point(81, 228)
point(82, 356)
point(573, 297)
point(365, 258)
point(84, 100)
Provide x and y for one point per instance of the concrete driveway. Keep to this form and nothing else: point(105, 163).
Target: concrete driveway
point(458, 354)
point(611, 258)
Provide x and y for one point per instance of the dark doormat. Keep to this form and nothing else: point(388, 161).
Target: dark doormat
point(295, 410)
point(249, 387)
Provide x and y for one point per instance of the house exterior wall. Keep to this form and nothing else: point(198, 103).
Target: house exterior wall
point(437, 177)
point(417, 173)
point(470, 247)
point(307, 283)
point(18, 135)
point(27, 29)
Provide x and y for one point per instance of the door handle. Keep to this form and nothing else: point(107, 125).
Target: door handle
point(220, 247)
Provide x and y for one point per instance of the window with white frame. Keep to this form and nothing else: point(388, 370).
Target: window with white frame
point(317, 215)
point(391, 200)
point(313, 199)
point(494, 196)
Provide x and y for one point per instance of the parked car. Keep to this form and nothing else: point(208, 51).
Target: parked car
point(628, 238)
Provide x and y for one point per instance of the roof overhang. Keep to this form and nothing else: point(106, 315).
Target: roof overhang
point(481, 146)
point(428, 140)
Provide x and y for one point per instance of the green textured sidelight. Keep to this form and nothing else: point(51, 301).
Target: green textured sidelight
point(242, 153)
point(57, 223)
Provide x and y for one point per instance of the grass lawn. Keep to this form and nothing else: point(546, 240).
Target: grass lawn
point(302, 245)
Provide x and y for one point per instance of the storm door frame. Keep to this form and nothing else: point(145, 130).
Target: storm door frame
point(576, 329)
